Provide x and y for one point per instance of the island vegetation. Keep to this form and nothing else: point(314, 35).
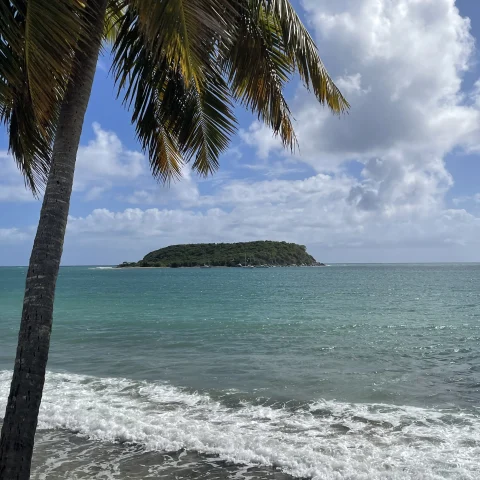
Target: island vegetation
point(259, 253)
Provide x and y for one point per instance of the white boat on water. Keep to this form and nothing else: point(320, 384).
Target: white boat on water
point(245, 264)
point(205, 266)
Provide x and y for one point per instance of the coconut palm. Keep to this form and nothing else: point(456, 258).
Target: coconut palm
point(180, 67)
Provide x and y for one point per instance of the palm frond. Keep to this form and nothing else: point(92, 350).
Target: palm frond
point(258, 67)
point(193, 118)
point(208, 123)
point(38, 40)
point(113, 18)
point(157, 140)
point(303, 53)
point(31, 150)
point(51, 34)
point(28, 143)
point(180, 30)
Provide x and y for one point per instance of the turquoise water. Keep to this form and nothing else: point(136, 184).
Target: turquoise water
point(355, 371)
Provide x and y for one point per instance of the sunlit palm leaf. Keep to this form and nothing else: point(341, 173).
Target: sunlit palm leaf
point(180, 29)
point(304, 54)
point(113, 18)
point(208, 123)
point(257, 68)
point(141, 82)
point(196, 114)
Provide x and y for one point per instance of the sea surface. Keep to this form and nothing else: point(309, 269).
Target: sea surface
point(342, 372)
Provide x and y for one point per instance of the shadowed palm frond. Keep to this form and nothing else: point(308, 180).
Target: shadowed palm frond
point(142, 82)
point(38, 39)
point(52, 30)
point(30, 149)
point(27, 142)
point(180, 63)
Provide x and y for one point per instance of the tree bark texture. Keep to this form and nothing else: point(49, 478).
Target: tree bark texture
point(20, 422)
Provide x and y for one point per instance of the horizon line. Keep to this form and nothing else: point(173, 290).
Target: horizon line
point(328, 263)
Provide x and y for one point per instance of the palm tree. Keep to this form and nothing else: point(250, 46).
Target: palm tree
point(180, 66)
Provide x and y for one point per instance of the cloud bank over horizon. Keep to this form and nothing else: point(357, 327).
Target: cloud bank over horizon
point(374, 185)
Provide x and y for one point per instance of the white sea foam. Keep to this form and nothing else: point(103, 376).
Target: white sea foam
point(101, 268)
point(324, 440)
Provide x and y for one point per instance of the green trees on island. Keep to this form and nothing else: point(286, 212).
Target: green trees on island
point(180, 67)
point(226, 254)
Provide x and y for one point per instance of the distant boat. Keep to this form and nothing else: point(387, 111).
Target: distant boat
point(205, 266)
point(245, 264)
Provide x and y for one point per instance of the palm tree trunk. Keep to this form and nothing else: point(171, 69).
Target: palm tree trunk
point(20, 422)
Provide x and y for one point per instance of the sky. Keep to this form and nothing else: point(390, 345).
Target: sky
point(395, 180)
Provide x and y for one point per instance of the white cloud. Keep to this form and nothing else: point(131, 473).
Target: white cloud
point(316, 212)
point(105, 160)
point(183, 192)
point(466, 199)
point(12, 235)
point(12, 186)
point(319, 211)
point(96, 192)
point(352, 84)
point(101, 164)
point(261, 136)
point(400, 64)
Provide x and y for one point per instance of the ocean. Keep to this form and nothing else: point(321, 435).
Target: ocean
point(342, 372)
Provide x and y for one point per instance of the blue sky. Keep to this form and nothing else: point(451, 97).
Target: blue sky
point(397, 180)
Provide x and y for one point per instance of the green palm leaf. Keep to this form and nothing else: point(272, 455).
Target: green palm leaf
point(38, 39)
point(180, 29)
point(258, 67)
point(196, 113)
point(303, 54)
point(208, 123)
point(28, 143)
point(52, 29)
point(179, 64)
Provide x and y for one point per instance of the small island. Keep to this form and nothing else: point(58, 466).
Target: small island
point(243, 254)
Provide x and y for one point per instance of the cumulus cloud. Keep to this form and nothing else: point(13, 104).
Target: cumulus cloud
point(467, 199)
point(105, 160)
point(12, 186)
point(13, 235)
point(183, 192)
point(401, 65)
point(305, 211)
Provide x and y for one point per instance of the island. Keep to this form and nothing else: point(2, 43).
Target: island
point(242, 254)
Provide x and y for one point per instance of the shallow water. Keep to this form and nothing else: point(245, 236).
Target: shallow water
point(355, 372)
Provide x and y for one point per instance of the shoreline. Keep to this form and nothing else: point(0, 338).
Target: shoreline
point(219, 266)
